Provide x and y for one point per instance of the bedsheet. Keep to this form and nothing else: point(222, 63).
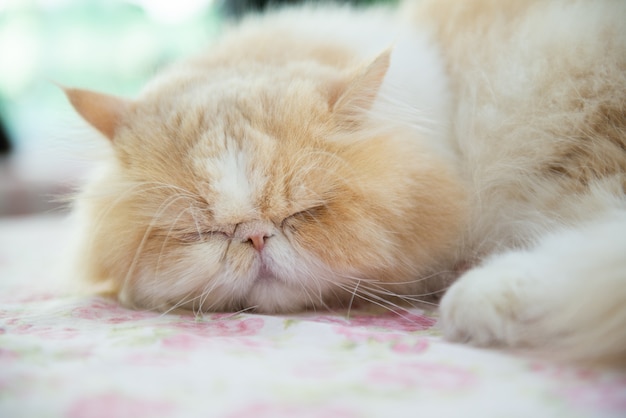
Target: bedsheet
point(63, 354)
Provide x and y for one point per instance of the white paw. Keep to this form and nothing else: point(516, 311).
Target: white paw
point(493, 305)
point(564, 297)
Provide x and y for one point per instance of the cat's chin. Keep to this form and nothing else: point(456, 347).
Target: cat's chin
point(270, 295)
point(265, 293)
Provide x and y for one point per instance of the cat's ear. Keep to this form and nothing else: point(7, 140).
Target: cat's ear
point(102, 111)
point(358, 95)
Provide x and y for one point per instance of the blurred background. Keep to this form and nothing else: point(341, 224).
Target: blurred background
point(107, 45)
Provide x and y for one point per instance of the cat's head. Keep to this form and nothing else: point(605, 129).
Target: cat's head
point(266, 188)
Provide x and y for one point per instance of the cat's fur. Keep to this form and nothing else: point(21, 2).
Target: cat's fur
point(319, 156)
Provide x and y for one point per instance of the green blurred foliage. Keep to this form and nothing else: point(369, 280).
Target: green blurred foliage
point(110, 45)
point(107, 45)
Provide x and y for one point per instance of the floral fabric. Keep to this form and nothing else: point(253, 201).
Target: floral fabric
point(66, 355)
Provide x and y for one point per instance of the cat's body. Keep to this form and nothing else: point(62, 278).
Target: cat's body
point(316, 157)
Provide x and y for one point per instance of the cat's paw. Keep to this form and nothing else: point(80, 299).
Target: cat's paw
point(492, 305)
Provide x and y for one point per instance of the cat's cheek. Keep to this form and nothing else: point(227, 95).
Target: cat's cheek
point(177, 275)
point(338, 245)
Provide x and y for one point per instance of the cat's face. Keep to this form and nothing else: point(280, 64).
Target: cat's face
point(264, 193)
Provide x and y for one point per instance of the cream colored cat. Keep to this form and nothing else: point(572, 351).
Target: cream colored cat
point(319, 156)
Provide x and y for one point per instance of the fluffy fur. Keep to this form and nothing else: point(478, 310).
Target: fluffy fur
point(321, 156)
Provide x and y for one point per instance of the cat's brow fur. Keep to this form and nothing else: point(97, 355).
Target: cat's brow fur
point(376, 160)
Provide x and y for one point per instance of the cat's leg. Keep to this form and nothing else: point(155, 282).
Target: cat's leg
point(565, 297)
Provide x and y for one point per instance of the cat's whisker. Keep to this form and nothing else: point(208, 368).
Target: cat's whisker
point(166, 238)
point(241, 311)
point(375, 299)
point(126, 194)
point(183, 301)
point(195, 222)
point(164, 206)
point(354, 292)
point(120, 198)
point(307, 294)
point(405, 297)
point(207, 291)
point(363, 293)
point(373, 286)
point(408, 282)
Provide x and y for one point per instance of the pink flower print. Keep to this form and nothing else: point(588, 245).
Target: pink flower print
point(556, 371)
point(197, 334)
point(401, 321)
point(48, 332)
point(426, 375)
point(20, 296)
point(185, 342)
point(607, 396)
point(398, 321)
point(416, 347)
point(111, 405)
point(360, 335)
point(110, 312)
point(267, 410)
point(191, 342)
point(8, 355)
point(222, 328)
point(590, 389)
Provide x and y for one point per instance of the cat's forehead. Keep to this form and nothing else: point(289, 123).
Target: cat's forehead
point(246, 150)
point(248, 174)
point(255, 97)
point(235, 164)
point(234, 183)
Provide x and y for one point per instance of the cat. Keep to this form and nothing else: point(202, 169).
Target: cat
point(319, 156)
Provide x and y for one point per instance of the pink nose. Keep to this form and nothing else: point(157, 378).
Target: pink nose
point(258, 241)
point(255, 233)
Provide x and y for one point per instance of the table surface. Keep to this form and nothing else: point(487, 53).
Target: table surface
point(63, 354)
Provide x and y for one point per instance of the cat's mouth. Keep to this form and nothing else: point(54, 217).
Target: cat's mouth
point(265, 276)
point(270, 293)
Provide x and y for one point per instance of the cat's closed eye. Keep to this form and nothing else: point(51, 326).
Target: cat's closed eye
point(302, 216)
point(193, 237)
point(213, 233)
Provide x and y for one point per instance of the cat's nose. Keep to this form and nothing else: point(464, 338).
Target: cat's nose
point(256, 233)
point(258, 241)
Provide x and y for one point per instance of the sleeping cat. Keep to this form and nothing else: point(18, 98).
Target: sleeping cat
point(318, 157)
